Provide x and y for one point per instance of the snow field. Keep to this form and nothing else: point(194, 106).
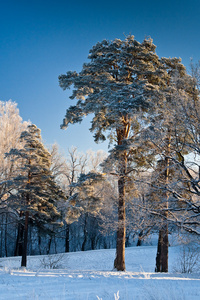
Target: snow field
point(88, 275)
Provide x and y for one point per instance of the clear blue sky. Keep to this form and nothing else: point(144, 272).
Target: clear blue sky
point(40, 40)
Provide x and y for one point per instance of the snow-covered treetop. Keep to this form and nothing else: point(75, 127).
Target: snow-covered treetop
point(11, 126)
point(122, 78)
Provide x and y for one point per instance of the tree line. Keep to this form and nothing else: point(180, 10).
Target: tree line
point(148, 109)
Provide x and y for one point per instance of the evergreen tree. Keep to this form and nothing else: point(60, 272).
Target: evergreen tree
point(125, 85)
point(87, 196)
point(122, 79)
point(34, 192)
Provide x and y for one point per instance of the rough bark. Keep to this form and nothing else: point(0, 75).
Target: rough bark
point(162, 250)
point(119, 263)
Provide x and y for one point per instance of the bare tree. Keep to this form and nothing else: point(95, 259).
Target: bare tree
point(11, 126)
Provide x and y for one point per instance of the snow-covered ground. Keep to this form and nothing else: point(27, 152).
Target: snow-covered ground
point(88, 275)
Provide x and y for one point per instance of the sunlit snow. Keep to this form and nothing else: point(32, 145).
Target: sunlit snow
point(88, 275)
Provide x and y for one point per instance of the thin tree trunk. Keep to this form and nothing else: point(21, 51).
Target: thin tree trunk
point(55, 245)
point(20, 233)
point(139, 241)
point(39, 241)
point(1, 242)
point(158, 256)
point(6, 234)
point(2, 236)
point(85, 233)
point(24, 252)
point(67, 238)
point(25, 243)
point(30, 238)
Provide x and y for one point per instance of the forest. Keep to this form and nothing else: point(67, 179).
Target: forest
point(148, 108)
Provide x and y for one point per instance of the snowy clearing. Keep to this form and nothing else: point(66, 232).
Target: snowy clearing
point(88, 275)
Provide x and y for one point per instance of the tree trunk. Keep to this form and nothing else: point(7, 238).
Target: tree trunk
point(20, 233)
point(25, 243)
point(85, 233)
point(24, 252)
point(39, 241)
point(49, 244)
point(163, 243)
point(1, 241)
point(119, 263)
point(139, 241)
point(162, 250)
point(6, 234)
point(67, 238)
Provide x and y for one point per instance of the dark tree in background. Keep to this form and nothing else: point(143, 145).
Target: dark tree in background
point(34, 193)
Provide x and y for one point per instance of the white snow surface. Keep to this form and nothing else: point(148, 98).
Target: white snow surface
point(88, 275)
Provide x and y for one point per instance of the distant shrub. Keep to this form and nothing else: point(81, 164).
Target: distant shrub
point(188, 260)
point(52, 261)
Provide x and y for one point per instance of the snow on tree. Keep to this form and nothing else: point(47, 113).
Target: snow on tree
point(120, 84)
point(87, 197)
point(11, 126)
point(34, 189)
point(67, 170)
point(168, 133)
point(95, 159)
point(187, 189)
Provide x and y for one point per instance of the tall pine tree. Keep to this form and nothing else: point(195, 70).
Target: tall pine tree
point(121, 84)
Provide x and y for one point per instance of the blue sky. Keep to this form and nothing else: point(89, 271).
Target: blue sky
point(39, 40)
